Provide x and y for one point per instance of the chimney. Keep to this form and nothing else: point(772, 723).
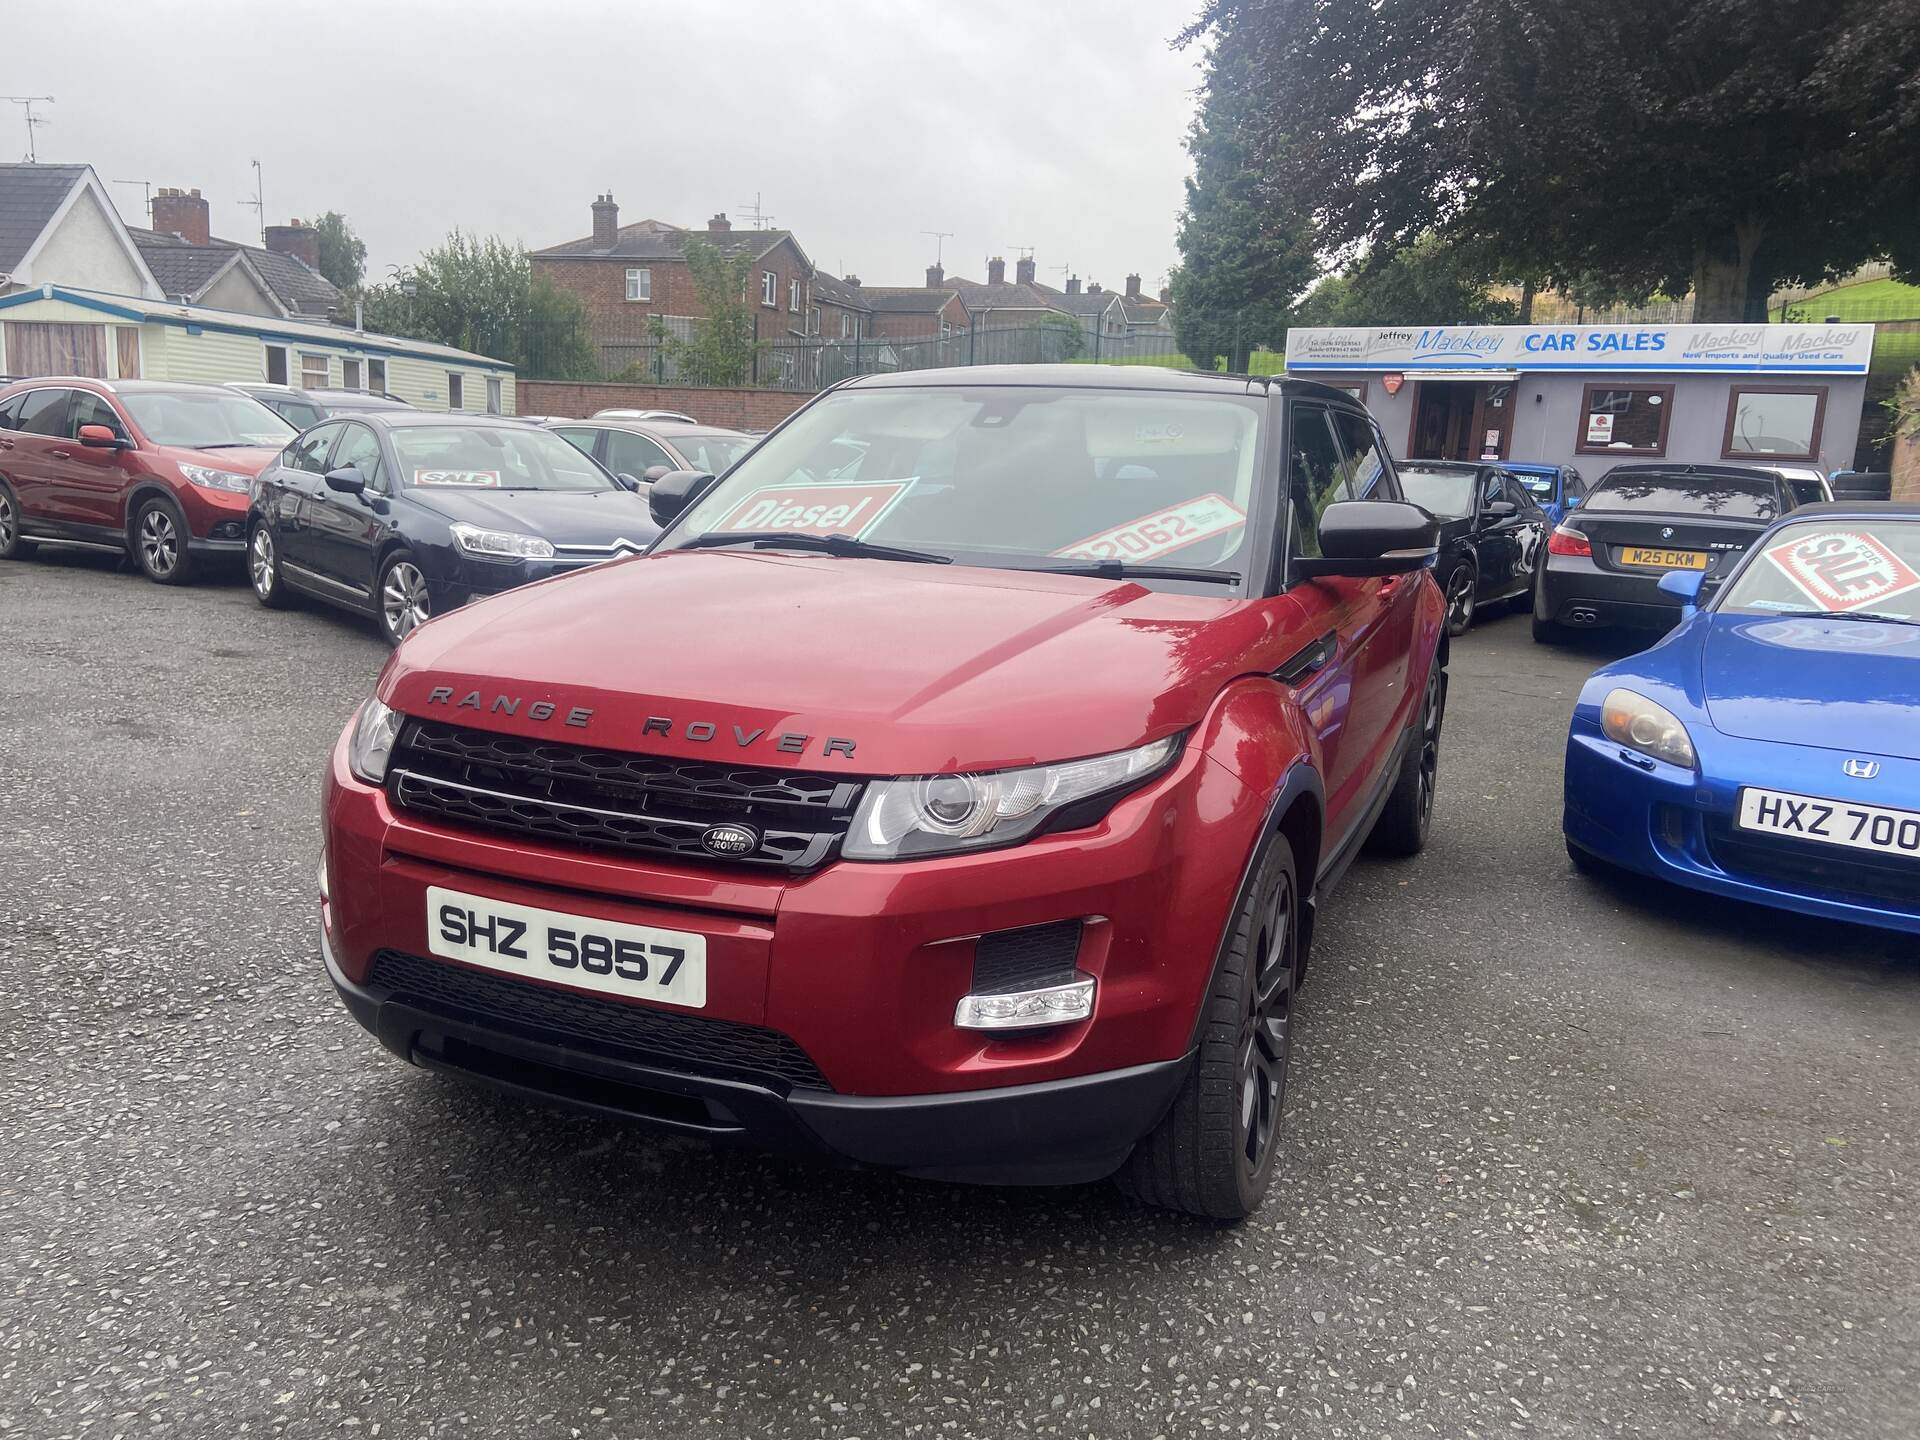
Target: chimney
point(936, 277)
point(1093, 287)
point(1073, 284)
point(1133, 287)
point(996, 271)
point(182, 213)
point(1023, 270)
point(852, 281)
point(1166, 294)
point(606, 222)
point(299, 239)
point(719, 224)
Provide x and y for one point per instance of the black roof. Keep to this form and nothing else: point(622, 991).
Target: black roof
point(29, 196)
point(183, 268)
point(652, 240)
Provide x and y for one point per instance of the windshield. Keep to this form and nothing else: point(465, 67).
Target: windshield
point(205, 420)
point(489, 457)
point(1833, 567)
point(1439, 492)
point(1728, 495)
point(714, 454)
point(1019, 476)
point(301, 413)
point(1537, 484)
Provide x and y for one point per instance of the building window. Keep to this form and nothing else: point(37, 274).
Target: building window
point(377, 376)
point(847, 330)
point(315, 372)
point(44, 348)
point(639, 284)
point(276, 364)
point(126, 341)
point(350, 374)
point(1783, 424)
point(494, 395)
point(1624, 420)
point(769, 288)
point(455, 399)
point(793, 297)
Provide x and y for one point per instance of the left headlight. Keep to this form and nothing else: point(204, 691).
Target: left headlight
point(947, 814)
point(371, 747)
point(1631, 719)
point(499, 544)
point(208, 478)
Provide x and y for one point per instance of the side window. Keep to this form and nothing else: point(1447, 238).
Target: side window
point(309, 452)
point(1576, 488)
point(630, 454)
point(10, 413)
point(1518, 493)
point(1365, 473)
point(1493, 486)
point(577, 436)
point(44, 412)
point(360, 448)
point(90, 409)
point(1314, 475)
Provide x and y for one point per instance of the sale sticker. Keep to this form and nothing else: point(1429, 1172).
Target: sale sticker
point(1842, 570)
point(852, 508)
point(1162, 532)
point(474, 479)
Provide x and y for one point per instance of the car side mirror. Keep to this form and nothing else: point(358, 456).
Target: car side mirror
point(627, 480)
point(675, 491)
point(347, 481)
point(100, 437)
point(1371, 537)
point(1684, 586)
point(1502, 509)
point(1572, 501)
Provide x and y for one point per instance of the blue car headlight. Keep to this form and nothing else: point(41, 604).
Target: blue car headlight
point(1629, 718)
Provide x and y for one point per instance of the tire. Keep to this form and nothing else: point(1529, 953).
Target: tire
point(159, 538)
point(1548, 632)
point(1408, 815)
point(263, 569)
point(1214, 1153)
point(13, 545)
point(1461, 593)
point(401, 596)
point(1591, 865)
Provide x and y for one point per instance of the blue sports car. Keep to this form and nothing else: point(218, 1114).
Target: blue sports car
point(1769, 748)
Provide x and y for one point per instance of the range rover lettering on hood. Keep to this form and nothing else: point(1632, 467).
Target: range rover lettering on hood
point(699, 731)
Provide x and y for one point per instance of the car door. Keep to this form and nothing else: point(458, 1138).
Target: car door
point(299, 479)
point(1495, 549)
point(346, 529)
point(1530, 527)
point(90, 486)
point(27, 453)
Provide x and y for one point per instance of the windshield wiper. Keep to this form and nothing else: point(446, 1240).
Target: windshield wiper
point(835, 544)
point(1878, 616)
point(1127, 570)
point(232, 445)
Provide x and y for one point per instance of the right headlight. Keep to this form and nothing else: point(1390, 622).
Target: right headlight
point(1631, 719)
point(947, 814)
point(374, 732)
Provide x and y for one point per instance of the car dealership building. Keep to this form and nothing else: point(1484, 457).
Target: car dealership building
point(1590, 395)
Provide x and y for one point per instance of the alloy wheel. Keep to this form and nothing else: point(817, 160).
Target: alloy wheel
point(6, 521)
point(260, 562)
point(403, 600)
point(159, 542)
point(1432, 711)
point(1266, 1030)
point(1460, 600)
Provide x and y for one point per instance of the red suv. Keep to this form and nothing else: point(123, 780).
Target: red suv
point(953, 787)
point(160, 471)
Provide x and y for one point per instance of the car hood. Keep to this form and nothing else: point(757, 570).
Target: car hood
point(1837, 684)
point(924, 668)
point(245, 460)
point(564, 517)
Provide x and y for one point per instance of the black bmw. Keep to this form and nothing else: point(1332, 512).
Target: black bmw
point(407, 514)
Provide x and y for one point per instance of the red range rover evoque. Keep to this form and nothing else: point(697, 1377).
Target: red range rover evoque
point(952, 788)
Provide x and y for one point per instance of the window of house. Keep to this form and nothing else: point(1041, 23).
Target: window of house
point(315, 372)
point(639, 283)
point(350, 374)
point(377, 376)
point(43, 348)
point(847, 330)
point(769, 288)
point(793, 297)
point(1783, 424)
point(456, 398)
point(126, 344)
point(495, 395)
point(1624, 420)
point(276, 364)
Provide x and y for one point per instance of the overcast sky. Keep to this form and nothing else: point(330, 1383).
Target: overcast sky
point(860, 123)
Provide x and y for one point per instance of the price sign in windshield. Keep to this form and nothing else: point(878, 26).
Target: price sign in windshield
point(1842, 570)
point(849, 509)
point(1162, 532)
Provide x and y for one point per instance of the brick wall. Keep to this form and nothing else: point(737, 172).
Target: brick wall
point(731, 409)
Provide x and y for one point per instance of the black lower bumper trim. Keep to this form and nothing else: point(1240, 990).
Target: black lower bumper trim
point(1059, 1132)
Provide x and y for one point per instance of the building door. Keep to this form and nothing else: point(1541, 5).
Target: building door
point(1461, 420)
point(276, 364)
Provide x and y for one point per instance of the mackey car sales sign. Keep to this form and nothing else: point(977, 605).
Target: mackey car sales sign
point(1793, 349)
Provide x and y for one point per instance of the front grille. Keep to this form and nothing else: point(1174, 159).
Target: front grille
point(611, 800)
point(1030, 958)
point(666, 1039)
point(1813, 868)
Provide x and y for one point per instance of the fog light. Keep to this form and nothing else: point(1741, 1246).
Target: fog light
point(1027, 1009)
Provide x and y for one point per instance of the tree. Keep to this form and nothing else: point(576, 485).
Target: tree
point(343, 254)
point(1720, 146)
point(723, 346)
point(1427, 283)
point(1245, 252)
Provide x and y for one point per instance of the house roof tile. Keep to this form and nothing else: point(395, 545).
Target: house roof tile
point(30, 195)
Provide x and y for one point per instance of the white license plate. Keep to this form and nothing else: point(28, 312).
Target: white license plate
point(1832, 822)
point(636, 962)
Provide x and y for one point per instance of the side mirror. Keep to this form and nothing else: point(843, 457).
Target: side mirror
point(675, 491)
point(1572, 501)
point(1502, 509)
point(654, 474)
point(347, 481)
point(1371, 537)
point(627, 480)
point(100, 437)
point(1684, 586)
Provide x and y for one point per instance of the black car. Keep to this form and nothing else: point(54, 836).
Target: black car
point(1491, 532)
point(405, 514)
point(1604, 561)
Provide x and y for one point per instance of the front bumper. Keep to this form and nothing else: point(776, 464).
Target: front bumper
point(1678, 825)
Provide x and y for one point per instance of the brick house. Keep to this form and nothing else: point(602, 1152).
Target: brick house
point(281, 278)
point(840, 308)
point(629, 274)
point(932, 311)
point(1000, 304)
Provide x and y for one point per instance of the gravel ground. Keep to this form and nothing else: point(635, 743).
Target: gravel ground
point(1563, 1159)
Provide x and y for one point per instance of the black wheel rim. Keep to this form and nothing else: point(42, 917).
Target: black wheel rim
point(1460, 599)
point(1266, 1030)
point(1433, 709)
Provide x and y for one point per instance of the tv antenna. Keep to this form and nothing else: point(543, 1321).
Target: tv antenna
point(940, 237)
point(259, 202)
point(34, 122)
point(760, 218)
point(1023, 252)
point(146, 187)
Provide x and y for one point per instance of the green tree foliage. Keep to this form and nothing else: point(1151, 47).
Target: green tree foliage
point(1426, 283)
point(481, 295)
point(1245, 251)
point(723, 346)
point(1720, 146)
point(343, 255)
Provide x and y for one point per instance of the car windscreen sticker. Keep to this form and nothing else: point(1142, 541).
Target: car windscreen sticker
point(1162, 532)
point(1841, 570)
point(473, 479)
point(848, 508)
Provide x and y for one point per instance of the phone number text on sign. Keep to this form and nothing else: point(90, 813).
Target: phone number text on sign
point(1162, 532)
